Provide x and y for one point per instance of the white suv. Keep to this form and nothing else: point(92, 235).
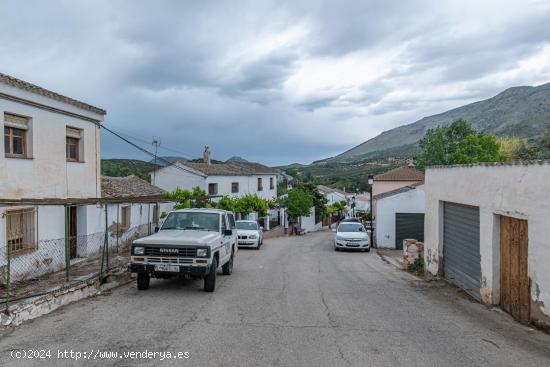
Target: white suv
point(192, 243)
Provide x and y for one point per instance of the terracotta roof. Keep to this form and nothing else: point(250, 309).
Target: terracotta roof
point(130, 187)
point(405, 173)
point(231, 168)
point(325, 190)
point(397, 191)
point(18, 83)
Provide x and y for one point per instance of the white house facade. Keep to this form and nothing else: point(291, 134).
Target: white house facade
point(486, 230)
point(232, 178)
point(399, 216)
point(50, 151)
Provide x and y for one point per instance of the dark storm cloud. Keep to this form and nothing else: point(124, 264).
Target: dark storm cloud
point(274, 81)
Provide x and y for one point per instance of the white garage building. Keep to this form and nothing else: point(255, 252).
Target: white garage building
point(487, 229)
point(399, 215)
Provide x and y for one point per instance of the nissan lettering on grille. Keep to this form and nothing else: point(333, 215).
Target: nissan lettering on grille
point(169, 250)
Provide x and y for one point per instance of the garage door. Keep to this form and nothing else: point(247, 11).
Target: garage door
point(461, 255)
point(408, 225)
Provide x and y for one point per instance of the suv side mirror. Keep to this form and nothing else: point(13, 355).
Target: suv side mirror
point(157, 229)
point(228, 232)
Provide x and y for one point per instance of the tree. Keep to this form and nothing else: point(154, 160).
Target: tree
point(457, 143)
point(319, 200)
point(189, 199)
point(477, 148)
point(298, 203)
point(246, 204)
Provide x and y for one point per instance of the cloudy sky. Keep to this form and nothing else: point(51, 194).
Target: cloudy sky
point(272, 81)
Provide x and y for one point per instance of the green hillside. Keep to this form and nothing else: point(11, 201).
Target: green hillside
point(126, 167)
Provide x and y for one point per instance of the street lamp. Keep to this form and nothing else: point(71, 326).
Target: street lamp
point(370, 181)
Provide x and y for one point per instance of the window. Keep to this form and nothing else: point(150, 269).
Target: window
point(73, 144)
point(212, 189)
point(260, 184)
point(271, 183)
point(21, 231)
point(15, 135)
point(224, 223)
point(231, 220)
point(235, 187)
point(125, 217)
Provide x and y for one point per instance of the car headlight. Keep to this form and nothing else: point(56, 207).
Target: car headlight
point(202, 252)
point(339, 238)
point(253, 237)
point(138, 250)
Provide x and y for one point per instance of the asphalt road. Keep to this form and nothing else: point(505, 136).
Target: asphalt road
point(295, 302)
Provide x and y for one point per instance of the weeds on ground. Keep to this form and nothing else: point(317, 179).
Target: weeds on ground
point(417, 267)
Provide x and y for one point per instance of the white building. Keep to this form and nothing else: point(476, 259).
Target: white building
point(487, 229)
point(399, 216)
point(333, 195)
point(219, 179)
point(50, 151)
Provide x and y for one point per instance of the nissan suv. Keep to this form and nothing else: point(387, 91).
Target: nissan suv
point(191, 243)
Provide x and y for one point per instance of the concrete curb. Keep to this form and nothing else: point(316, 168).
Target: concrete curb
point(32, 308)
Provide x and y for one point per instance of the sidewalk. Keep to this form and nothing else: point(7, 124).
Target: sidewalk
point(391, 256)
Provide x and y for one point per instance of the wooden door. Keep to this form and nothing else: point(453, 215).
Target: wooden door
point(515, 287)
point(73, 232)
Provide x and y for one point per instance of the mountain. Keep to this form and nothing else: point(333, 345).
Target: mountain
point(236, 159)
point(519, 111)
point(126, 167)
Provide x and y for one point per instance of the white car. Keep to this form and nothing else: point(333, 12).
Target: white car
point(351, 235)
point(249, 234)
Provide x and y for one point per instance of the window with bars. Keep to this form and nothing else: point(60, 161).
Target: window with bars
point(15, 135)
point(234, 187)
point(212, 189)
point(21, 230)
point(271, 183)
point(73, 144)
point(260, 184)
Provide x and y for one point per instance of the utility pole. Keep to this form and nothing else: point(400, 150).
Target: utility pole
point(156, 144)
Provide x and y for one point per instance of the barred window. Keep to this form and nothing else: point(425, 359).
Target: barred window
point(271, 183)
point(212, 189)
point(21, 230)
point(234, 187)
point(260, 184)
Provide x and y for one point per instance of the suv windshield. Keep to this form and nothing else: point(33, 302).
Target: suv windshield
point(192, 221)
point(351, 227)
point(247, 225)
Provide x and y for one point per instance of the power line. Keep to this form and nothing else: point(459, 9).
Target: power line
point(143, 140)
point(166, 162)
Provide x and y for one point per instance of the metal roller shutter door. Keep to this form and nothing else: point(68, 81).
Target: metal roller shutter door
point(461, 254)
point(408, 225)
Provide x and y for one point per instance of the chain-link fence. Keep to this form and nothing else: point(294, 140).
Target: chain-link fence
point(47, 248)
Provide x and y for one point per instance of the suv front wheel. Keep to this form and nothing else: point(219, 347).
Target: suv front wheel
point(210, 278)
point(143, 281)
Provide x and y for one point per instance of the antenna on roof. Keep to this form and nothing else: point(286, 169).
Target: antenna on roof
point(156, 144)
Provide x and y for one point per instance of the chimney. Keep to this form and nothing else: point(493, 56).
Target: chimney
point(206, 155)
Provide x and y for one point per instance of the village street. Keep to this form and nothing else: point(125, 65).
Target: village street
point(296, 302)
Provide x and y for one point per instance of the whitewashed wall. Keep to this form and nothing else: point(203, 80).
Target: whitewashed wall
point(169, 178)
point(308, 223)
point(334, 197)
point(520, 191)
point(48, 174)
point(412, 201)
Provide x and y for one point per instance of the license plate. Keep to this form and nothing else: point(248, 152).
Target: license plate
point(166, 267)
point(352, 244)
